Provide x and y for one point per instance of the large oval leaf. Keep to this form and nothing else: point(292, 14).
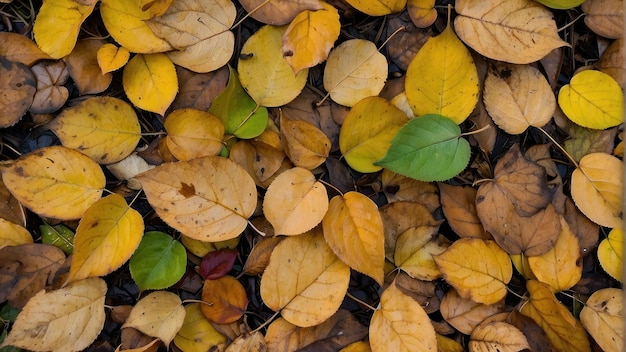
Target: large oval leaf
point(56, 182)
point(603, 319)
point(158, 262)
point(208, 199)
point(523, 30)
point(104, 128)
point(304, 280)
point(106, 237)
point(427, 148)
point(442, 78)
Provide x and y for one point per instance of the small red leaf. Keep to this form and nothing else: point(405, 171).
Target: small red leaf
point(217, 263)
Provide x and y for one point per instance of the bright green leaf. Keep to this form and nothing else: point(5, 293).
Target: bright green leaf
point(428, 148)
point(238, 110)
point(159, 261)
point(59, 236)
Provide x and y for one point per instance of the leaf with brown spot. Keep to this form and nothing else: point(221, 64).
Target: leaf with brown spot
point(603, 319)
point(17, 91)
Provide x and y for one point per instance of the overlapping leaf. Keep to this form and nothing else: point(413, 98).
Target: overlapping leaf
point(611, 253)
point(193, 134)
point(197, 334)
point(603, 318)
point(13, 234)
point(160, 314)
point(605, 17)
point(17, 91)
point(226, 300)
point(111, 57)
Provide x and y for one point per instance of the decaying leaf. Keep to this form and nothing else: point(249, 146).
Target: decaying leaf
point(51, 95)
point(209, 198)
point(459, 206)
point(226, 300)
point(19, 48)
point(17, 91)
point(72, 323)
point(603, 319)
point(465, 314)
point(605, 17)
point(305, 297)
point(83, 67)
point(524, 30)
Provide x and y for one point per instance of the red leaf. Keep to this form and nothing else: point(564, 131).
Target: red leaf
point(217, 263)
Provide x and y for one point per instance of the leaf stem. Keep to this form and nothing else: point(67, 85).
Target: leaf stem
point(402, 28)
point(331, 186)
point(559, 146)
point(250, 14)
point(359, 301)
point(484, 128)
point(255, 229)
point(571, 23)
point(266, 323)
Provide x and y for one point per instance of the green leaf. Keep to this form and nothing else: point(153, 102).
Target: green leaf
point(159, 261)
point(241, 115)
point(59, 236)
point(427, 148)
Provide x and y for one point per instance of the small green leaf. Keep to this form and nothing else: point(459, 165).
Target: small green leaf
point(159, 261)
point(241, 115)
point(59, 236)
point(427, 148)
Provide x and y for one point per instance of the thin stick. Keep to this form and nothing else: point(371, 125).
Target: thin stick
point(250, 13)
point(331, 186)
point(359, 301)
point(266, 323)
point(484, 128)
point(257, 230)
point(571, 23)
point(402, 28)
point(559, 146)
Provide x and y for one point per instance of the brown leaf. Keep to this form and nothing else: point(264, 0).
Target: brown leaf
point(10, 208)
point(517, 181)
point(199, 91)
point(611, 61)
point(421, 291)
point(586, 230)
point(259, 257)
point(465, 314)
point(51, 94)
point(277, 12)
point(17, 90)
point(459, 206)
point(226, 300)
point(338, 331)
point(134, 340)
point(605, 17)
point(402, 188)
point(26, 270)
point(254, 341)
point(537, 338)
point(83, 67)
point(403, 46)
point(19, 48)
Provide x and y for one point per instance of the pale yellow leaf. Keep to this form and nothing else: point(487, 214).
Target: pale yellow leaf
point(401, 324)
point(106, 237)
point(55, 181)
point(497, 337)
point(353, 228)
point(354, 70)
point(477, 269)
point(611, 253)
point(264, 72)
point(603, 319)
point(304, 280)
point(57, 26)
point(515, 31)
point(197, 334)
point(295, 202)
point(464, 314)
point(415, 249)
point(193, 133)
point(208, 199)
point(124, 20)
point(517, 97)
point(442, 78)
point(561, 266)
point(254, 341)
point(13, 235)
point(68, 319)
point(310, 36)
point(563, 330)
point(104, 128)
point(597, 188)
point(199, 30)
point(150, 82)
point(160, 314)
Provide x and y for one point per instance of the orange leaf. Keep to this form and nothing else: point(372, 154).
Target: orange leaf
point(226, 300)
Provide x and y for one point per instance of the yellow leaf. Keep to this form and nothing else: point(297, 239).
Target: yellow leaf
point(354, 70)
point(401, 324)
point(150, 82)
point(442, 78)
point(523, 31)
point(304, 280)
point(68, 319)
point(415, 249)
point(563, 330)
point(13, 235)
point(517, 97)
point(497, 337)
point(111, 57)
point(446, 344)
point(422, 12)
point(193, 134)
point(605, 17)
point(602, 317)
point(378, 7)
point(593, 99)
point(105, 129)
point(124, 20)
point(520, 261)
point(597, 187)
point(201, 248)
point(197, 334)
point(208, 199)
point(160, 314)
point(359, 346)
point(263, 71)
point(477, 269)
point(295, 202)
point(367, 131)
point(55, 181)
point(353, 228)
point(254, 341)
point(200, 32)
point(310, 36)
point(57, 26)
point(464, 314)
point(561, 266)
point(611, 253)
point(106, 237)
point(305, 145)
